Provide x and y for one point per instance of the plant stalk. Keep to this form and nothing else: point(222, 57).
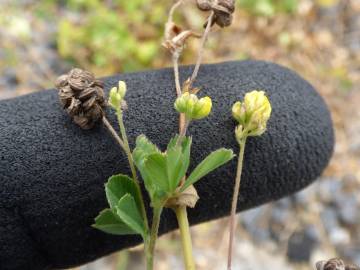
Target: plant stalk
point(113, 132)
point(201, 50)
point(150, 247)
point(235, 199)
point(131, 163)
point(184, 227)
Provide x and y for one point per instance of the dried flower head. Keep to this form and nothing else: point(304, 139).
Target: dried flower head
point(82, 96)
point(335, 264)
point(223, 10)
point(332, 264)
point(176, 37)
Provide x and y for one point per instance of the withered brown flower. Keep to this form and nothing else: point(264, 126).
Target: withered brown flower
point(223, 10)
point(175, 37)
point(82, 96)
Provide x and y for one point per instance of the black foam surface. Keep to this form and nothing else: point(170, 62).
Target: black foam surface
point(52, 173)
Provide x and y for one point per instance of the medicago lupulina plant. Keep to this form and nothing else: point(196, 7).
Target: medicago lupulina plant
point(164, 173)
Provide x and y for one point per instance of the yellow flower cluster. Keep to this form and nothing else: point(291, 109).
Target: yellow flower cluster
point(192, 106)
point(252, 114)
point(117, 95)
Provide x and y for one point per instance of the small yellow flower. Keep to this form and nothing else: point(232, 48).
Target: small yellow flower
point(253, 113)
point(192, 106)
point(117, 95)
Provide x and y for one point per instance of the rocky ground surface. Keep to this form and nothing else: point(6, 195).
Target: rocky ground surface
point(322, 221)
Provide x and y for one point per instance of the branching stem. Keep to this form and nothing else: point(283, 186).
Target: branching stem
point(235, 199)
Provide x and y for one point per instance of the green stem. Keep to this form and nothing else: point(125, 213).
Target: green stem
point(184, 227)
point(150, 247)
point(131, 162)
point(242, 143)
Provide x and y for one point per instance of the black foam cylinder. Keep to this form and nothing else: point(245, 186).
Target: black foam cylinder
point(52, 173)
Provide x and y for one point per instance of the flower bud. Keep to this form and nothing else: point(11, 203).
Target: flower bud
point(117, 95)
point(253, 113)
point(238, 112)
point(122, 89)
point(202, 108)
point(192, 107)
point(239, 132)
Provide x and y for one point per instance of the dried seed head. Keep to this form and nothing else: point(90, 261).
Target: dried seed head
point(352, 267)
point(332, 264)
point(223, 10)
point(82, 96)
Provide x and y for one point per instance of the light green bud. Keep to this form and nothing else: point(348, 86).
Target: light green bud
point(122, 88)
point(192, 107)
point(202, 108)
point(117, 94)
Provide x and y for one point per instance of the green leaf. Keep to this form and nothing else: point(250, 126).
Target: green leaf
point(130, 214)
point(109, 222)
point(210, 163)
point(177, 161)
point(118, 186)
point(174, 167)
point(155, 167)
point(143, 149)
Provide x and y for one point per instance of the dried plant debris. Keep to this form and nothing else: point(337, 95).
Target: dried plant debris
point(82, 96)
point(335, 264)
point(223, 10)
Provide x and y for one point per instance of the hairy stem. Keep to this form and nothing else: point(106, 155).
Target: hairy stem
point(131, 162)
point(150, 247)
point(175, 59)
point(113, 132)
point(182, 218)
point(235, 199)
point(201, 49)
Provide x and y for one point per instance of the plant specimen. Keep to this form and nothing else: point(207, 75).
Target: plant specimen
point(252, 116)
point(164, 173)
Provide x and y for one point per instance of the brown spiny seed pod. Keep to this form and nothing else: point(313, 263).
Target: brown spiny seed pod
point(332, 264)
point(352, 267)
point(82, 96)
point(223, 10)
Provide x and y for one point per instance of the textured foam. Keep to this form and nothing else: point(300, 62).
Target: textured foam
point(52, 173)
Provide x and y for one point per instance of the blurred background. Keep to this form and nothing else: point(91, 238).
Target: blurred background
point(40, 40)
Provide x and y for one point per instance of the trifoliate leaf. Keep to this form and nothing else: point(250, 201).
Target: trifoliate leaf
point(210, 163)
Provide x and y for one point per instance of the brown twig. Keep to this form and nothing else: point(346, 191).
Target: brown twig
point(234, 201)
point(201, 50)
